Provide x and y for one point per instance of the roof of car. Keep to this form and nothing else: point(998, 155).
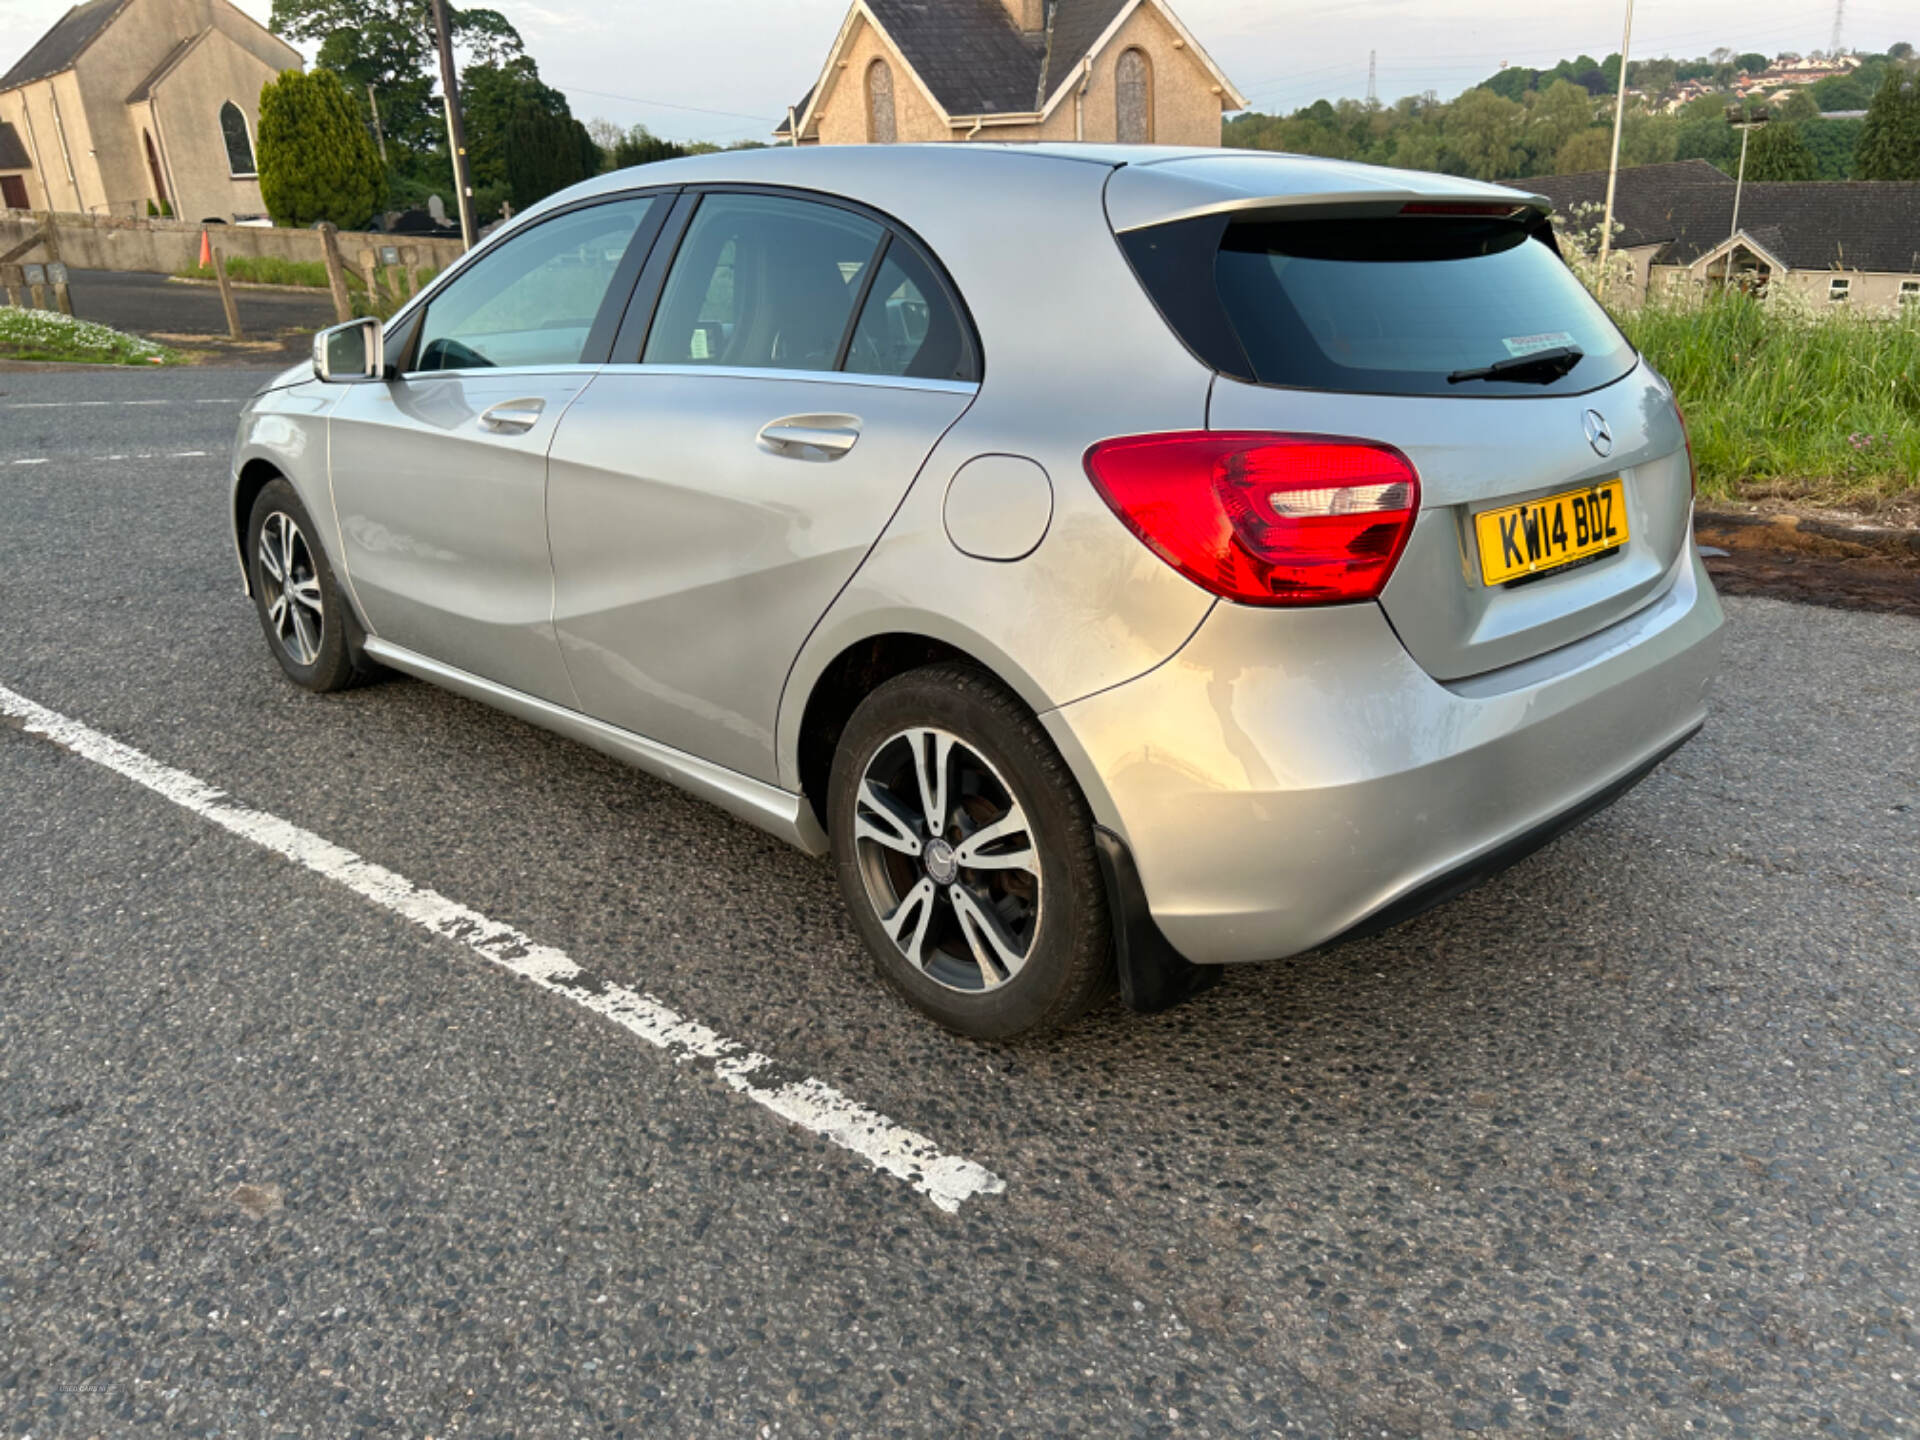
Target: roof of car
point(1203, 179)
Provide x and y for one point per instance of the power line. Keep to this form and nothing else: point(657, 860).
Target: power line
point(665, 104)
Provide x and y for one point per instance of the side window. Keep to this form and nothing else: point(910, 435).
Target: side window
point(531, 300)
point(762, 282)
point(908, 327)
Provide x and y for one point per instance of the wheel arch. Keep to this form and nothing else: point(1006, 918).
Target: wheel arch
point(253, 477)
point(835, 677)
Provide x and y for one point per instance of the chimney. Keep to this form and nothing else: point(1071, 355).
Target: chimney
point(1028, 15)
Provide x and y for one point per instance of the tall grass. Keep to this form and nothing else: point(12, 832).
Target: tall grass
point(1788, 400)
point(269, 270)
point(388, 296)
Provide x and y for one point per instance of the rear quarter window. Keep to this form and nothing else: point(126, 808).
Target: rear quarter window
point(1392, 306)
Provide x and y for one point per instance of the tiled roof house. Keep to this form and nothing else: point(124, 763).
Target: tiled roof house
point(1106, 70)
point(1851, 241)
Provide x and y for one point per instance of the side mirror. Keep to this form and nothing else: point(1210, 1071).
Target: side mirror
point(352, 352)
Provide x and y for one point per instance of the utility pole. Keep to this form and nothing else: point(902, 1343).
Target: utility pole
point(456, 128)
point(1373, 78)
point(1613, 166)
point(1746, 125)
point(379, 134)
point(1839, 28)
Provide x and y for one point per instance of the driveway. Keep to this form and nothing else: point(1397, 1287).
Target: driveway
point(1622, 1143)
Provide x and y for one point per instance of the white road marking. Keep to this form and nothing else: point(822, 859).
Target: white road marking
point(946, 1180)
point(100, 404)
point(145, 455)
point(109, 404)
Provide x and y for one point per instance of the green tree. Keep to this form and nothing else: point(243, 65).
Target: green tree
point(1554, 116)
point(1753, 62)
point(1833, 144)
point(1777, 152)
point(492, 98)
point(389, 45)
point(1511, 83)
point(640, 146)
point(1798, 106)
point(316, 159)
point(550, 152)
point(1712, 140)
point(1890, 138)
point(1484, 131)
point(1589, 150)
point(1841, 92)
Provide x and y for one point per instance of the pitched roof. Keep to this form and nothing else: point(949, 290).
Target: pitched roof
point(61, 46)
point(974, 60)
point(1687, 209)
point(1824, 224)
point(800, 109)
point(1647, 200)
point(172, 58)
point(1077, 24)
point(969, 52)
point(13, 155)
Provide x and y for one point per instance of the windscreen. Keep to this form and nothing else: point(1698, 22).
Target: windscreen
point(1400, 305)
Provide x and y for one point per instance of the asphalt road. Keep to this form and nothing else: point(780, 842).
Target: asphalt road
point(1621, 1144)
point(157, 305)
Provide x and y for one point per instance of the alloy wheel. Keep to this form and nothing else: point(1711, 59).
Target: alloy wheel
point(291, 588)
point(950, 861)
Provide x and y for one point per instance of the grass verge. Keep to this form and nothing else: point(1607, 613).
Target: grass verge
point(1789, 402)
point(48, 335)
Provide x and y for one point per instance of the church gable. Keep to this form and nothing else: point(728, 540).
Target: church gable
point(1027, 68)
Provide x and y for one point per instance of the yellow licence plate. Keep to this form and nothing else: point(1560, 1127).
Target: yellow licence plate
point(1548, 533)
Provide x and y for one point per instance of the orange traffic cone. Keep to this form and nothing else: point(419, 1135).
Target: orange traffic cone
point(206, 251)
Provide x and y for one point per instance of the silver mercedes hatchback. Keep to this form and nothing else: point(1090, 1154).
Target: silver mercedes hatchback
point(1124, 562)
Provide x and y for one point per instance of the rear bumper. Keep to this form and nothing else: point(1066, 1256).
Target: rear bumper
point(1293, 777)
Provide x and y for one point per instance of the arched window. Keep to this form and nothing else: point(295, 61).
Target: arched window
point(1133, 99)
point(233, 128)
point(880, 123)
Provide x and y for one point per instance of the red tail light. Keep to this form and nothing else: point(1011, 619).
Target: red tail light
point(1260, 518)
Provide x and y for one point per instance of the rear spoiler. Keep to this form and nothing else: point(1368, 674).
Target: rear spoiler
point(1255, 185)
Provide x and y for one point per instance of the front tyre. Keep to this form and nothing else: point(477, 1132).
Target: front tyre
point(305, 617)
point(965, 852)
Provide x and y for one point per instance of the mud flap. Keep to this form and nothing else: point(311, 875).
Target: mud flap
point(1153, 975)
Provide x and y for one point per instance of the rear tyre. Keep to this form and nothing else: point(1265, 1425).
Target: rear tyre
point(965, 852)
point(309, 627)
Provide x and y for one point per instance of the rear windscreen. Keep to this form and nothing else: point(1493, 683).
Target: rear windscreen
point(1391, 306)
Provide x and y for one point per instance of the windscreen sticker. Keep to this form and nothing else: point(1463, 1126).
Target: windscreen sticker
point(1518, 345)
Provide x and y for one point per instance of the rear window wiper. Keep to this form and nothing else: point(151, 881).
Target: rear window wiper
point(1543, 366)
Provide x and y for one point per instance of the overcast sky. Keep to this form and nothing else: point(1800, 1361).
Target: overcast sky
point(727, 69)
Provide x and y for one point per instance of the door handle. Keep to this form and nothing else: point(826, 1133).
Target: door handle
point(513, 417)
point(811, 437)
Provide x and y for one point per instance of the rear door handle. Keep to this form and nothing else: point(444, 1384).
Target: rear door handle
point(513, 417)
point(811, 437)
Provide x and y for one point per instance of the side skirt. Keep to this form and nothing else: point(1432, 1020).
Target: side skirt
point(776, 811)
